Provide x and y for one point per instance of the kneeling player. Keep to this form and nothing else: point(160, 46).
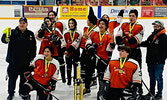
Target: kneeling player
point(120, 73)
point(45, 76)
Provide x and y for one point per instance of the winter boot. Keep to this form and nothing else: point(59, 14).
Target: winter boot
point(158, 97)
point(10, 97)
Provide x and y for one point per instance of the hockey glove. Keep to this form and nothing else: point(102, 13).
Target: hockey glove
point(52, 84)
point(134, 91)
point(91, 49)
point(119, 40)
point(55, 38)
point(112, 45)
point(44, 25)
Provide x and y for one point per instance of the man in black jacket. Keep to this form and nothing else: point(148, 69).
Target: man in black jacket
point(156, 55)
point(21, 50)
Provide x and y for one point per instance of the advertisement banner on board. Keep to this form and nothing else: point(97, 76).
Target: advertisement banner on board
point(113, 11)
point(147, 12)
point(36, 11)
point(77, 12)
point(160, 11)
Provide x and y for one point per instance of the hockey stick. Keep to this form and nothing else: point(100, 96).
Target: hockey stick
point(153, 98)
point(101, 60)
point(43, 88)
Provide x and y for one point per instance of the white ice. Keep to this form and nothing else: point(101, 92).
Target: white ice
point(64, 92)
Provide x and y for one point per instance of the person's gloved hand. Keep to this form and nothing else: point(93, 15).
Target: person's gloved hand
point(91, 49)
point(119, 40)
point(55, 38)
point(44, 25)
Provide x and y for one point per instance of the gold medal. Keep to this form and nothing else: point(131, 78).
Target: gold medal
point(100, 43)
point(130, 34)
point(120, 71)
point(7, 39)
point(45, 75)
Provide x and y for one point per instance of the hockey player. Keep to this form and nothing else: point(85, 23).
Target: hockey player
point(115, 23)
point(155, 58)
point(62, 27)
point(131, 34)
point(45, 69)
point(100, 42)
point(86, 62)
point(55, 23)
point(52, 38)
point(70, 45)
point(21, 50)
point(120, 73)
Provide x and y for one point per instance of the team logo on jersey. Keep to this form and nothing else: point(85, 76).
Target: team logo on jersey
point(157, 41)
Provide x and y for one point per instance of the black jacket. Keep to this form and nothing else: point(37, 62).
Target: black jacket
point(21, 47)
point(157, 48)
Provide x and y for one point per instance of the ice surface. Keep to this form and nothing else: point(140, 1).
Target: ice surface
point(64, 92)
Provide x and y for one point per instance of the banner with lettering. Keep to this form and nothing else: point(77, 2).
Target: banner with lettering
point(113, 11)
point(36, 11)
point(77, 12)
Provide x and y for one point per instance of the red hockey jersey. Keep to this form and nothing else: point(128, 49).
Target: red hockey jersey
point(39, 72)
point(46, 40)
point(129, 73)
point(103, 45)
point(73, 40)
point(136, 32)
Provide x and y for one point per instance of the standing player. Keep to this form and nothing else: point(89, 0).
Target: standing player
point(131, 34)
point(45, 69)
point(115, 23)
point(71, 41)
point(52, 38)
point(120, 73)
point(101, 43)
point(86, 65)
point(62, 27)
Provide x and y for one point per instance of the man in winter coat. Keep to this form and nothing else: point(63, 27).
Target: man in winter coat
point(156, 45)
point(21, 50)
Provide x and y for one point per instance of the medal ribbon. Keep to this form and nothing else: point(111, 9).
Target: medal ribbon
point(131, 28)
point(49, 31)
point(91, 29)
point(122, 64)
point(47, 63)
point(72, 36)
point(101, 36)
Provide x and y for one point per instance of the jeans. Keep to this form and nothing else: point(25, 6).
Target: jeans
point(155, 74)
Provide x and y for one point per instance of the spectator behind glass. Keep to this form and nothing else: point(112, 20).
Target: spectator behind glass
point(134, 2)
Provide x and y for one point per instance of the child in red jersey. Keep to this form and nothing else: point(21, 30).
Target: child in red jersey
point(45, 69)
point(120, 73)
point(70, 46)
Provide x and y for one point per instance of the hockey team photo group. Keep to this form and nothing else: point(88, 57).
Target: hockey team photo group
point(82, 58)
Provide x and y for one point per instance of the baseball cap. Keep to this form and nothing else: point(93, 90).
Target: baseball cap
point(23, 19)
point(160, 23)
